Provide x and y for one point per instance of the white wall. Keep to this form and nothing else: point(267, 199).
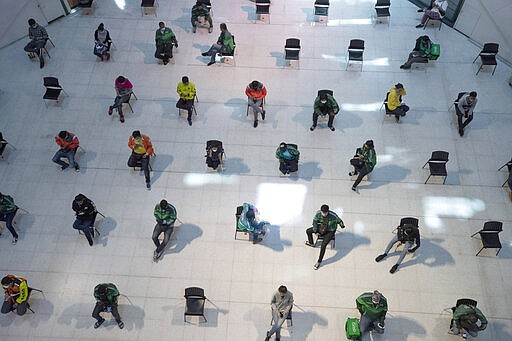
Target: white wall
point(14, 15)
point(488, 21)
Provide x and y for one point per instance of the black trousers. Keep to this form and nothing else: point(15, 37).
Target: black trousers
point(100, 306)
point(361, 171)
point(324, 112)
point(164, 51)
point(400, 111)
point(186, 104)
point(327, 237)
point(167, 231)
point(288, 166)
point(8, 306)
point(460, 119)
point(138, 160)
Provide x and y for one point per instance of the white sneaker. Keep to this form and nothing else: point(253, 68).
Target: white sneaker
point(14, 241)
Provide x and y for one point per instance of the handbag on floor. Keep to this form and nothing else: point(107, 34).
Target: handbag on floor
point(352, 329)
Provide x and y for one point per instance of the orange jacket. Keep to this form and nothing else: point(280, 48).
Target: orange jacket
point(146, 141)
point(261, 92)
point(71, 143)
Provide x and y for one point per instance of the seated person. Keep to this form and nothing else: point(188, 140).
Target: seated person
point(164, 40)
point(256, 93)
point(464, 107)
point(420, 52)
point(8, 211)
point(214, 154)
point(124, 89)
point(187, 92)
point(325, 104)
point(165, 215)
point(373, 307)
point(106, 295)
point(465, 319)
point(249, 221)
point(364, 161)
point(15, 294)
point(225, 45)
point(395, 106)
point(288, 157)
point(142, 149)
point(85, 212)
point(408, 235)
point(200, 10)
point(68, 143)
point(102, 43)
point(38, 37)
point(436, 10)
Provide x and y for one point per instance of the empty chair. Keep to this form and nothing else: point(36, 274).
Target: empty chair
point(432, 21)
point(490, 236)
point(438, 156)
point(263, 10)
point(488, 56)
point(292, 49)
point(355, 52)
point(382, 9)
point(148, 4)
point(321, 10)
point(194, 305)
point(53, 89)
point(86, 6)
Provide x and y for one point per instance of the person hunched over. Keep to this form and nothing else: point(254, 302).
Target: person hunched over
point(364, 161)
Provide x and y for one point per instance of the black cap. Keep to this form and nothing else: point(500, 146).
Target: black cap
point(121, 79)
point(136, 133)
point(184, 79)
point(399, 86)
point(324, 208)
point(63, 134)
point(31, 21)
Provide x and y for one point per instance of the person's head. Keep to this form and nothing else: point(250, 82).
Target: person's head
point(376, 296)
point(472, 96)
point(121, 79)
point(199, 4)
point(250, 215)
point(472, 318)
point(31, 22)
point(223, 27)
point(164, 204)
point(80, 198)
point(63, 134)
point(282, 290)
point(161, 24)
point(102, 291)
point(282, 147)
point(399, 88)
point(184, 80)
point(6, 282)
point(323, 98)
point(325, 210)
point(136, 134)
point(255, 84)
point(101, 27)
point(369, 144)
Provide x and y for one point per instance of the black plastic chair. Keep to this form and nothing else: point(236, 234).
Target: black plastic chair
point(292, 49)
point(488, 56)
point(490, 236)
point(409, 221)
point(127, 101)
point(289, 317)
point(194, 305)
point(355, 52)
point(93, 222)
point(322, 8)
point(145, 4)
point(382, 9)
point(262, 7)
point(438, 156)
point(86, 6)
point(53, 89)
point(3, 145)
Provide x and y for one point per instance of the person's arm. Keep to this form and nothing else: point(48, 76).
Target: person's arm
point(131, 142)
point(248, 92)
point(460, 104)
point(316, 221)
point(171, 215)
point(334, 105)
point(148, 145)
point(74, 143)
point(44, 34)
point(108, 37)
point(289, 304)
point(273, 302)
point(481, 317)
point(339, 221)
point(263, 92)
point(473, 105)
point(279, 156)
point(23, 294)
point(96, 39)
point(316, 106)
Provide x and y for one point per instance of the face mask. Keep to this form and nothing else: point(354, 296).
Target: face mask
point(162, 30)
point(323, 101)
point(324, 214)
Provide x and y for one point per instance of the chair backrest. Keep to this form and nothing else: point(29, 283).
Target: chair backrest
point(147, 3)
point(322, 2)
point(325, 91)
point(214, 143)
point(496, 226)
point(51, 82)
point(410, 221)
point(490, 48)
point(466, 301)
point(292, 49)
point(356, 44)
point(439, 156)
point(262, 6)
point(383, 3)
point(293, 145)
point(194, 292)
point(292, 43)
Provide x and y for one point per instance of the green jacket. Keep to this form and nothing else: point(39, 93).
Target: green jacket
point(369, 157)
point(111, 296)
point(227, 42)
point(462, 314)
point(166, 37)
point(367, 308)
point(332, 220)
point(7, 205)
point(331, 103)
point(293, 152)
point(203, 12)
point(168, 215)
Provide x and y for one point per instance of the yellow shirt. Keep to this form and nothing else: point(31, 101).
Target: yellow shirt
point(138, 148)
point(394, 99)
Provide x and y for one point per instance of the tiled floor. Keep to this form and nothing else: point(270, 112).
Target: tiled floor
point(238, 277)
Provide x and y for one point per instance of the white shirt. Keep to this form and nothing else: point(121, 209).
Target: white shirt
point(441, 3)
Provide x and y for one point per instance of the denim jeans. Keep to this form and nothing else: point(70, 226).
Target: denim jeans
point(86, 226)
point(365, 324)
point(407, 246)
point(62, 153)
point(8, 218)
point(256, 105)
point(278, 322)
point(167, 231)
point(8, 306)
point(214, 49)
point(118, 102)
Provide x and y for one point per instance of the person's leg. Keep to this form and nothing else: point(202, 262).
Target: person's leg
point(210, 21)
point(7, 307)
point(277, 323)
point(9, 217)
point(118, 103)
point(468, 120)
point(70, 155)
point(459, 120)
point(156, 233)
point(89, 232)
point(167, 236)
point(473, 333)
point(404, 108)
point(189, 103)
point(309, 233)
point(159, 50)
point(134, 159)
point(213, 51)
point(331, 120)
point(327, 239)
point(57, 158)
point(315, 120)
point(390, 244)
point(455, 330)
point(194, 24)
point(31, 47)
point(21, 309)
point(145, 167)
point(283, 168)
point(98, 308)
point(167, 52)
point(360, 177)
point(407, 246)
point(429, 14)
point(364, 324)
point(115, 312)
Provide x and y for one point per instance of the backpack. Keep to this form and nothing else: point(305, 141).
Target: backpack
point(352, 330)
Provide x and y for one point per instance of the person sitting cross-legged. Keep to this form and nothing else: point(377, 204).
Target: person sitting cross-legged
point(106, 295)
point(68, 143)
point(436, 10)
point(85, 212)
point(187, 92)
point(142, 150)
point(420, 52)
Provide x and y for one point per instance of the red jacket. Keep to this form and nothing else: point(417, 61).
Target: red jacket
point(70, 143)
point(146, 141)
point(261, 92)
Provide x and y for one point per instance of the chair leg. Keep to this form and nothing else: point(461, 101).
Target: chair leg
point(494, 69)
point(480, 68)
point(504, 183)
point(130, 107)
point(498, 251)
point(474, 60)
point(474, 234)
point(428, 178)
point(424, 164)
point(479, 251)
point(444, 180)
point(501, 167)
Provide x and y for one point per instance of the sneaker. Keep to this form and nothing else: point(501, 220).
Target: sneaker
point(332, 128)
point(352, 173)
point(110, 110)
point(120, 324)
point(402, 66)
point(148, 185)
point(461, 132)
point(64, 167)
point(420, 10)
point(419, 26)
point(397, 118)
point(380, 257)
point(309, 244)
point(354, 189)
point(255, 124)
point(98, 323)
point(257, 240)
point(316, 266)
point(77, 168)
point(189, 122)
point(263, 115)
point(14, 241)
point(121, 118)
point(210, 63)
point(204, 54)
point(393, 269)
point(210, 30)
point(166, 62)
point(464, 335)
point(312, 127)
point(101, 57)
point(108, 56)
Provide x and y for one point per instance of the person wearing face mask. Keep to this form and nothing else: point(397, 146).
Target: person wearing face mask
point(364, 161)
point(373, 307)
point(325, 223)
point(408, 235)
point(106, 295)
point(164, 40)
point(288, 157)
point(325, 104)
point(281, 304)
point(465, 107)
point(38, 37)
point(142, 149)
point(165, 215)
point(102, 42)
